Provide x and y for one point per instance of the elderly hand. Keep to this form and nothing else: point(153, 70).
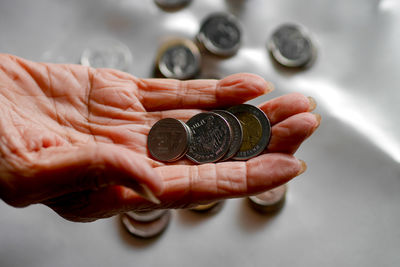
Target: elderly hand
point(74, 138)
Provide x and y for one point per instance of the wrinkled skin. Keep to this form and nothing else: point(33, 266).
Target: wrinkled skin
point(74, 138)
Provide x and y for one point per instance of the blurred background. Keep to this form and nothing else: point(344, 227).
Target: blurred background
point(344, 211)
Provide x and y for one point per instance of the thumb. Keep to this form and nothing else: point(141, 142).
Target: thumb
point(64, 170)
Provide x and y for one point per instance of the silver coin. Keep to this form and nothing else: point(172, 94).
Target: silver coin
point(107, 54)
point(179, 59)
point(269, 201)
point(237, 133)
point(256, 130)
point(172, 4)
point(146, 229)
point(146, 216)
point(211, 137)
point(291, 46)
point(220, 34)
point(169, 139)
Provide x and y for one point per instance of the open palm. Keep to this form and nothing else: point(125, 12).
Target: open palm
point(74, 138)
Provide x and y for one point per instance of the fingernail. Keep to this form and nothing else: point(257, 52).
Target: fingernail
point(318, 117)
point(270, 87)
point(312, 103)
point(303, 167)
point(145, 192)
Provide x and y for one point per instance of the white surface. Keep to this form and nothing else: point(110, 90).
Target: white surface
point(344, 211)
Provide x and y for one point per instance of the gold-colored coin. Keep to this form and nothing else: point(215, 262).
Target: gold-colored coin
point(209, 207)
point(252, 130)
point(256, 130)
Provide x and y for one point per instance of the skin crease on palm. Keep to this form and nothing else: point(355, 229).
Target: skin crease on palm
point(74, 138)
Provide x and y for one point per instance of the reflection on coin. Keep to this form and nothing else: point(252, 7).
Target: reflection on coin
point(211, 137)
point(291, 46)
point(146, 229)
point(237, 133)
point(146, 216)
point(169, 139)
point(256, 130)
point(178, 59)
point(107, 54)
point(212, 207)
point(172, 4)
point(269, 201)
point(220, 34)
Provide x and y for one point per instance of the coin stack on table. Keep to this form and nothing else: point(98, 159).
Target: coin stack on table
point(239, 133)
point(270, 201)
point(146, 224)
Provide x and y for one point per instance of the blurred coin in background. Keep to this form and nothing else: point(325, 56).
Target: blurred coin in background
point(269, 201)
point(291, 46)
point(178, 59)
point(107, 53)
point(220, 34)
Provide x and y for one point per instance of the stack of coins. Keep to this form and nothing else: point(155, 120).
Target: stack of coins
point(239, 133)
point(270, 201)
point(146, 224)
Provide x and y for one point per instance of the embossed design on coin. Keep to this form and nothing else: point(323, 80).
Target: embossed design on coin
point(291, 46)
point(220, 34)
point(256, 130)
point(237, 133)
point(179, 59)
point(107, 54)
point(169, 139)
point(146, 229)
point(269, 201)
point(211, 137)
point(146, 216)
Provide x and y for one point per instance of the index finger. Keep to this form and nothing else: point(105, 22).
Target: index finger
point(163, 94)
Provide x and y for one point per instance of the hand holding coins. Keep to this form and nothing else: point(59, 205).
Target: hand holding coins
point(241, 132)
point(108, 168)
